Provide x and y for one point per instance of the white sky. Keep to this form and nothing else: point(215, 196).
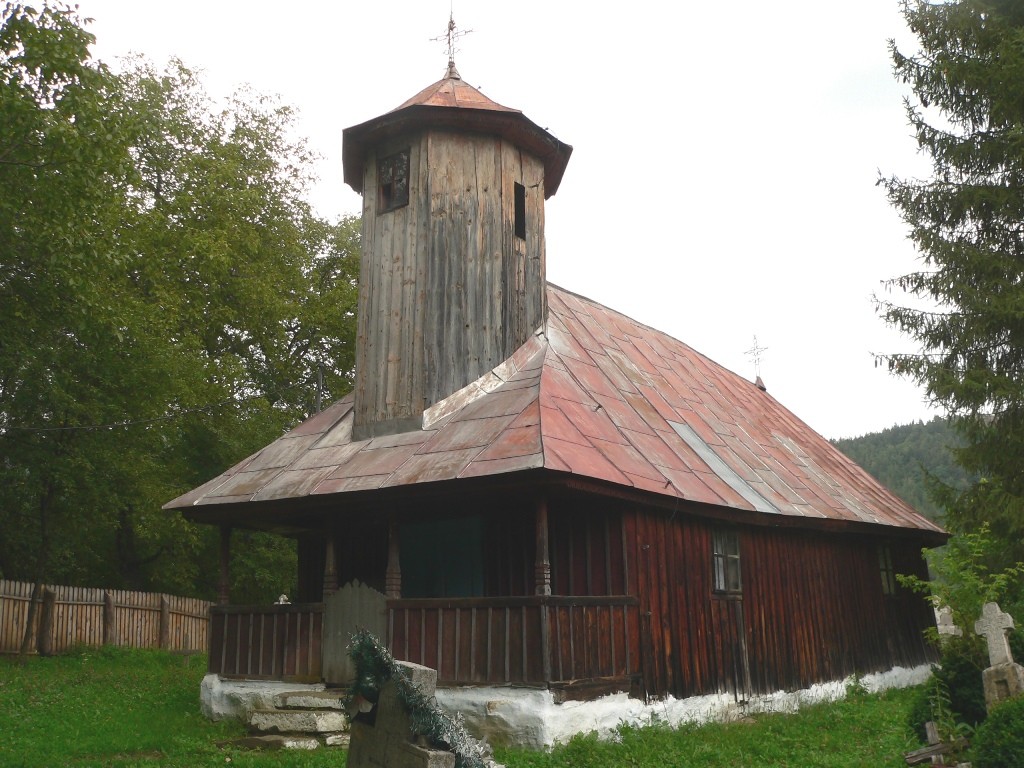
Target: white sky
point(722, 183)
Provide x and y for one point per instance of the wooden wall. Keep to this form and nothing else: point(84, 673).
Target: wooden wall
point(447, 290)
point(587, 551)
point(360, 554)
point(812, 609)
point(86, 616)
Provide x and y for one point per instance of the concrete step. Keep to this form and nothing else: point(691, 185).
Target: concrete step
point(287, 721)
point(330, 699)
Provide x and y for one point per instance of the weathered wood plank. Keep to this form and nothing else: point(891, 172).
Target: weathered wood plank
point(89, 616)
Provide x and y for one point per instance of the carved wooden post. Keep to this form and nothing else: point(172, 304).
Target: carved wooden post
point(542, 559)
point(330, 566)
point(542, 584)
point(393, 573)
point(109, 621)
point(224, 585)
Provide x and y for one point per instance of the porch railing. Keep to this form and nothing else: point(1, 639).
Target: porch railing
point(267, 642)
point(530, 640)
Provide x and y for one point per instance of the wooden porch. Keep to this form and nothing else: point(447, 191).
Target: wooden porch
point(567, 643)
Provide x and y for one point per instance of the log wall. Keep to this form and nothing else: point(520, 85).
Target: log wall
point(71, 616)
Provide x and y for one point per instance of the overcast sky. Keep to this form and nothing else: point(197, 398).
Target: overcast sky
point(723, 178)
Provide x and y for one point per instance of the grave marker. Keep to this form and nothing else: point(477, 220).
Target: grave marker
point(1003, 679)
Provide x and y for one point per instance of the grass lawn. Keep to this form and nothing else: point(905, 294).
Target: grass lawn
point(119, 707)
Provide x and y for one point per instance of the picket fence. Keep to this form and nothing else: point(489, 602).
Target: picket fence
point(70, 616)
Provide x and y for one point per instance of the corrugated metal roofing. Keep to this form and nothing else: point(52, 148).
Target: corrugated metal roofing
point(596, 394)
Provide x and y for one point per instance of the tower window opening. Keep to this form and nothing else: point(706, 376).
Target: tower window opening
point(520, 220)
point(393, 181)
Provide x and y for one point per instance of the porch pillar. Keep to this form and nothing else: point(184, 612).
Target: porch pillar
point(224, 583)
point(542, 584)
point(542, 558)
point(330, 566)
point(393, 573)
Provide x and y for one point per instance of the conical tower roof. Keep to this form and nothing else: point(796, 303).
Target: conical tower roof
point(453, 103)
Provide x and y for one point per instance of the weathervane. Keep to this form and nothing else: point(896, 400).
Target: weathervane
point(451, 37)
point(755, 352)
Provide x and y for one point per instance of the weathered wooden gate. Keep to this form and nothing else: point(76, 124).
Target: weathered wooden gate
point(355, 606)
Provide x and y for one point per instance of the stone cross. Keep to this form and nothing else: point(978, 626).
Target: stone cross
point(1003, 679)
point(993, 624)
point(944, 622)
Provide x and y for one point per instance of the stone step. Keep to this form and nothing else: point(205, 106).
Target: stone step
point(288, 721)
point(277, 741)
point(330, 699)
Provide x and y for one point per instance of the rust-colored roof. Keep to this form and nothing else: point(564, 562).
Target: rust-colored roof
point(453, 91)
point(452, 103)
point(599, 395)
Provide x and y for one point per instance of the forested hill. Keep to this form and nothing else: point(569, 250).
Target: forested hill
point(896, 456)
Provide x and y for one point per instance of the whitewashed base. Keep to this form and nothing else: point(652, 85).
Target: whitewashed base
point(530, 718)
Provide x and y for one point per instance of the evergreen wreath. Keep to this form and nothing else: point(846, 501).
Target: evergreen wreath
point(375, 666)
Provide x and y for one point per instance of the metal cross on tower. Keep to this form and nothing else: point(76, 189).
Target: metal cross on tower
point(451, 37)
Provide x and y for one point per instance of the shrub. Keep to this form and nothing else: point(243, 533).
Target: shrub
point(999, 741)
point(958, 680)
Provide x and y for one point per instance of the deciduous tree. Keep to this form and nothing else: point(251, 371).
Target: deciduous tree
point(168, 300)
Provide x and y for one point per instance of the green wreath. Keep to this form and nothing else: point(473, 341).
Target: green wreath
point(375, 666)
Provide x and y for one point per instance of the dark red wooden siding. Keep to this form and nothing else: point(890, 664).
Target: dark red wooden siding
point(586, 551)
point(812, 609)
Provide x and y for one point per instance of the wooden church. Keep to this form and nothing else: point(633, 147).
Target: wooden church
point(539, 490)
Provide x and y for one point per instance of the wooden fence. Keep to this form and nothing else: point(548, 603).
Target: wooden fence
point(70, 616)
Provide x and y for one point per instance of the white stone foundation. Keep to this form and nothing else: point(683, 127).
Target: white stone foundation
point(530, 718)
point(235, 699)
point(525, 717)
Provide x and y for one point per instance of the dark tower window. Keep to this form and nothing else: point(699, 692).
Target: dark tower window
point(393, 181)
point(520, 210)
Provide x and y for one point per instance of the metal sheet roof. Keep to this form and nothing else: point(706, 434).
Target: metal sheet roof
point(452, 103)
point(596, 394)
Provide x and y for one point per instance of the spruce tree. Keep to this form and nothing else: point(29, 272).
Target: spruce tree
point(967, 223)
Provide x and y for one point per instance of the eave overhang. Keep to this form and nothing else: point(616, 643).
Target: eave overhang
point(511, 125)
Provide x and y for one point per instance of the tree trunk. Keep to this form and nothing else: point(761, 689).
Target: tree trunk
point(33, 603)
point(42, 557)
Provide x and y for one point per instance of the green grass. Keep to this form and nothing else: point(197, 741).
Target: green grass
point(119, 707)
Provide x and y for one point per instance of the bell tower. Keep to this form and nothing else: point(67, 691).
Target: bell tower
point(452, 278)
